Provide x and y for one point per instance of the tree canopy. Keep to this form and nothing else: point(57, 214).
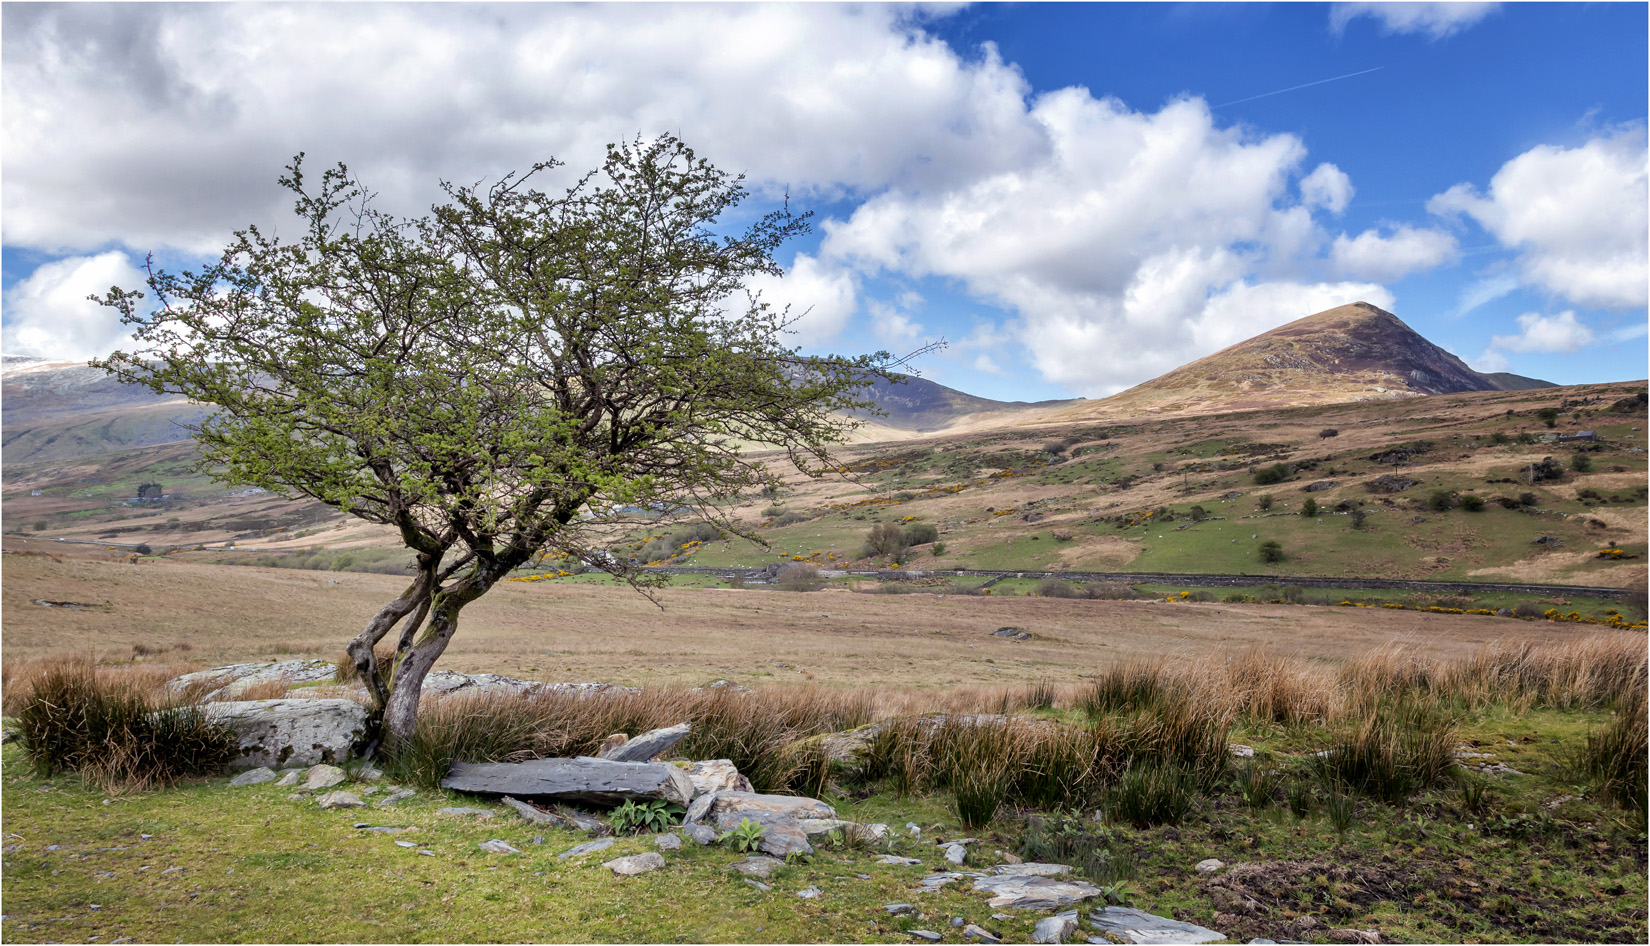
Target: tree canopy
point(499, 378)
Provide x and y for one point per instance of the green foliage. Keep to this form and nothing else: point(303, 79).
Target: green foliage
point(1151, 793)
point(1301, 799)
point(920, 533)
point(1276, 473)
point(1615, 755)
point(1271, 552)
point(1472, 502)
point(1052, 587)
point(1086, 845)
point(1264, 503)
point(1395, 751)
point(884, 539)
point(1309, 508)
point(1341, 807)
point(1360, 518)
point(937, 549)
point(744, 836)
point(800, 576)
point(484, 378)
point(1441, 500)
point(1258, 783)
point(633, 818)
point(1581, 463)
point(1548, 415)
point(113, 735)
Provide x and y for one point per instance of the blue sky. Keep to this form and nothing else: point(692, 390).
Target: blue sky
point(1077, 197)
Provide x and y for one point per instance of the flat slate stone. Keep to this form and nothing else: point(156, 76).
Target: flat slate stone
point(898, 909)
point(395, 797)
point(499, 846)
point(980, 934)
point(929, 935)
point(635, 864)
point(588, 847)
point(717, 775)
point(1033, 869)
point(341, 800)
point(701, 834)
point(757, 866)
point(649, 745)
point(583, 779)
point(668, 842)
point(529, 813)
point(1137, 926)
point(1030, 892)
point(894, 860)
point(1055, 929)
point(323, 776)
point(478, 813)
point(256, 776)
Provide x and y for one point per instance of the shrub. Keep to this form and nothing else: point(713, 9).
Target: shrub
point(1528, 499)
point(1397, 750)
point(773, 511)
point(144, 549)
point(1548, 415)
point(1328, 432)
point(1359, 518)
point(1057, 447)
point(1264, 503)
point(1309, 508)
point(1109, 591)
point(884, 539)
point(788, 518)
point(1056, 588)
point(1472, 503)
point(1198, 513)
point(800, 576)
point(920, 533)
point(937, 549)
point(115, 735)
point(1441, 501)
point(1500, 438)
point(1276, 473)
point(1581, 463)
point(1271, 552)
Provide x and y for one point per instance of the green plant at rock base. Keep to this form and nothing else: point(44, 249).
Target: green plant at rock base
point(633, 818)
point(744, 836)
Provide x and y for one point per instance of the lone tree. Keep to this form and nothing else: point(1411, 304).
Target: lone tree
point(496, 380)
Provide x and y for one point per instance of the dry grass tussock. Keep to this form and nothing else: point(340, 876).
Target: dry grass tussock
point(20, 678)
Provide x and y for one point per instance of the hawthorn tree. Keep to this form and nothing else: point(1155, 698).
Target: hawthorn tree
point(499, 379)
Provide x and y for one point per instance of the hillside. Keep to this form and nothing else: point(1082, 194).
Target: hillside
point(1355, 352)
point(918, 405)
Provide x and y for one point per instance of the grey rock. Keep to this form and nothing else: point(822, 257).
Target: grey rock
point(894, 860)
point(980, 934)
point(7, 735)
point(480, 814)
point(668, 842)
point(256, 776)
point(635, 864)
point(808, 893)
point(583, 779)
point(1055, 929)
point(717, 775)
point(499, 846)
point(291, 732)
point(1209, 865)
point(290, 777)
point(757, 866)
point(529, 813)
point(873, 832)
point(394, 798)
point(820, 827)
point(759, 885)
point(955, 853)
point(1240, 751)
point(701, 834)
point(933, 882)
point(1012, 633)
point(323, 776)
point(912, 829)
point(899, 909)
point(588, 847)
point(1031, 892)
point(752, 804)
point(1033, 869)
point(699, 808)
point(368, 773)
point(405, 844)
point(1137, 926)
point(232, 680)
point(649, 745)
point(1262, 941)
point(957, 922)
point(587, 823)
point(341, 800)
point(929, 935)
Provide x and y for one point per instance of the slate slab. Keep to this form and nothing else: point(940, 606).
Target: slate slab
point(582, 779)
point(1137, 926)
point(649, 745)
point(635, 864)
point(1031, 892)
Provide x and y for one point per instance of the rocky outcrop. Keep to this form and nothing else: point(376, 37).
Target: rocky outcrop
point(229, 682)
point(717, 775)
point(286, 733)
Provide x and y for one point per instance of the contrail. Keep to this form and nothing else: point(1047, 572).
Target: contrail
point(1306, 86)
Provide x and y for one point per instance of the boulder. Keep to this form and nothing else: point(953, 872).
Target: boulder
point(1031, 892)
point(592, 781)
point(1055, 929)
point(1318, 486)
point(291, 732)
point(341, 800)
point(291, 777)
point(668, 842)
point(955, 853)
point(1209, 865)
point(256, 776)
point(1012, 633)
point(649, 745)
point(231, 681)
point(1137, 926)
point(752, 804)
point(635, 864)
point(758, 866)
point(701, 834)
point(322, 776)
point(717, 775)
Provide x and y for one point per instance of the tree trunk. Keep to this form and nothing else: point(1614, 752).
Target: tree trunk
point(414, 600)
point(401, 711)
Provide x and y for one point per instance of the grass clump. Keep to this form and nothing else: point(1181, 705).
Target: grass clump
point(1151, 793)
point(1614, 756)
point(114, 733)
point(1393, 753)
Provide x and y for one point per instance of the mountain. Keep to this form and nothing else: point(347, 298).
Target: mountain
point(55, 411)
point(1355, 352)
point(918, 405)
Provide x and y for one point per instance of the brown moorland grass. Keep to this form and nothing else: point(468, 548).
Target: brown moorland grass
point(579, 632)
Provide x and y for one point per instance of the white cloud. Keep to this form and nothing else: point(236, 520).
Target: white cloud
point(986, 365)
point(1484, 291)
point(1576, 216)
point(1491, 361)
point(892, 324)
point(167, 125)
point(821, 299)
point(1561, 333)
point(1373, 256)
point(1328, 187)
point(1436, 20)
point(48, 314)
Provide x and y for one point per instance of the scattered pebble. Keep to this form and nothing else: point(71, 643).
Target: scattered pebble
point(759, 885)
point(808, 893)
point(405, 844)
point(1209, 865)
point(899, 909)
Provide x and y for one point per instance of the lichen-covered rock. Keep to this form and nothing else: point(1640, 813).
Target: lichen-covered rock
point(322, 776)
point(291, 732)
point(256, 776)
point(635, 864)
point(1031, 892)
point(717, 775)
point(649, 745)
point(588, 847)
point(231, 681)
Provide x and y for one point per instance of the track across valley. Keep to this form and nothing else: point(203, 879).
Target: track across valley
point(1196, 580)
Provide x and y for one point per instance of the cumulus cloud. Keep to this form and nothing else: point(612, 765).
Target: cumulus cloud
point(48, 314)
point(1561, 333)
point(1406, 250)
point(821, 299)
point(1434, 20)
point(167, 125)
point(1577, 217)
point(1328, 187)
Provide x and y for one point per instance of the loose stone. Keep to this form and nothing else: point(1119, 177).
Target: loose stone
point(808, 893)
point(392, 799)
point(256, 776)
point(341, 800)
point(1055, 929)
point(478, 813)
point(928, 935)
point(635, 864)
point(668, 842)
point(498, 846)
point(322, 776)
point(1209, 865)
point(898, 909)
point(585, 848)
point(980, 934)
